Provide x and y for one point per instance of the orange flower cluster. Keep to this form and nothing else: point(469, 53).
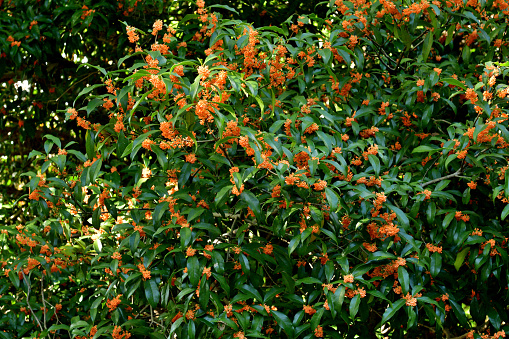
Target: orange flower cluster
point(432, 248)
point(158, 25)
point(268, 249)
point(190, 251)
point(348, 278)
point(320, 185)
point(385, 271)
point(368, 132)
point(235, 190)
point(208, 248)
point(144, 271)
point(460, 216)
point(203, 110)
point(132, 35)
point(231, 130)
point(112, 304)
point(373, 150)
point(477, 231)
point(373, 181)
point(427, 193)
point(207, 271)
point(86, 12)
point(471, 95)
point(319, 331)
point(191, 158)
point(119, 334)
point(309, 309)
point(410, 300)
point(313, 128)
point(13, 42)
point(379, 200)
point(370, 247)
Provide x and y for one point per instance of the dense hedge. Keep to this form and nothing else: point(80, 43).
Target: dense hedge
point(337, 175)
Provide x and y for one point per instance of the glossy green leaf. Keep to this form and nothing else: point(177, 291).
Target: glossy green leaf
point(152, 292)
point(436, 264)
point(284, 322)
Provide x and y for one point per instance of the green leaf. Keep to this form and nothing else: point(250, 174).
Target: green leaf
point(244, 263)
point(152, 292)
point(308, 280)
point(436, 264)
point(447, 220)
point(284, 322)
point(186, 236)
point(193, 270)
point(161, 156)
point(505, 212)
point(494, 318)
point(158, 212)
point(424, 148)
point(391, 311)
point(93, 104)
point(404, 279)
point(460, 314)
point(55, 140)
point(402, 218)
point(228, 8)
point(204, 292)
point(339, 297)
point(102, 70)
point(460, 258)
point(315, 319)
point(13, 276)
point(450, 158)
point(431, 211)
point(250, 290)
point(252, 202)
point(375, 162)
point(95, 169)
point(428, 42)
point(89, 145)
point(222, 195)
point(176, 325)
point(354, 305)
point(454, 82)
point(450, 34)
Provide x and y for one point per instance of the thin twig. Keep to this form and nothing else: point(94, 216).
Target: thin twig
point(43, 300)
point(139, 313)
point(455, 174)
point(28, 303)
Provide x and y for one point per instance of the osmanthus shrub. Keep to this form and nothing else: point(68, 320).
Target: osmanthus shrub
point(334, 177)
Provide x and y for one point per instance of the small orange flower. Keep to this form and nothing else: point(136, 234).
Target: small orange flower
point(309, 309)
point(319, 331)
point(204, 72)
point(348, 278)
point(190, 315)
point(268, 249)
point(191, 158)
point(320, 185)
point(112, 304)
